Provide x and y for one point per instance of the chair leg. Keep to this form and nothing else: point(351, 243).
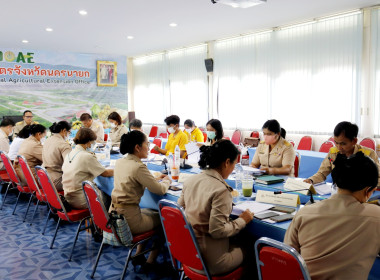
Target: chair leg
point(182, 275)
point(47, 220)
point(97, 260)
point(27, 209)
point(76, 238)
point(5, 196)
point(55, 233)
point(14, 209)
point(34, 212)
point(127, 261)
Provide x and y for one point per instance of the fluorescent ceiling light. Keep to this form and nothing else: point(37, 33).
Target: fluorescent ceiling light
point(83, 12)
point(48, 29)
point(240, 3)
point(25, 41)
point(173, 24)
point(130, 37)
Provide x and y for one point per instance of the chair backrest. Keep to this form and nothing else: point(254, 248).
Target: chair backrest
point(331, 139)
point(236, 137)
point(153, 131)
point(9, 168)
point(97, 209)
point(276, 260)
point(291, 142)
point(204, 136)
point(305, 143)
point(158, 142)
point(29, 177)
point(50, 191)
point(297, 163)
point(163, 135)
point(180, 237)
point(369, 143)
point(255, 134)
point(326, 146)
point(105, 137)
point(226, 137)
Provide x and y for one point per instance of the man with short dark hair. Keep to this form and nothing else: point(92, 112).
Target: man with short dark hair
point(27, 120)
point(95, 126)
point(346, 139)
point(6, 130)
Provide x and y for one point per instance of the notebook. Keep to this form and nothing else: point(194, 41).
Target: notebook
point(268, 180)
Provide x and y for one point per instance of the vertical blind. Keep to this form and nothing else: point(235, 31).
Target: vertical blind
point(306, 76)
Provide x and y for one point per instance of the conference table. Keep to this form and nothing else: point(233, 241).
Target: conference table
point(256, 228)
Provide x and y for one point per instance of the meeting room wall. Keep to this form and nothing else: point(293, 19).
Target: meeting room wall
point(60, 86)
point(309, 76)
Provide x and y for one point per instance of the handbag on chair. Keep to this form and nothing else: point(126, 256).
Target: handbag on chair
point(122, 233)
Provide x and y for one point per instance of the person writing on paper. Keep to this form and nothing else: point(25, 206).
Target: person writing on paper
point(346, 141)
point(80, 165)
point(274, 155)
point(117, 128)
point(95, 126)
point(176, 137)
point(338, 237)
point(132, 177)
point(207, 200)
point(194, 134)
point(135, 124)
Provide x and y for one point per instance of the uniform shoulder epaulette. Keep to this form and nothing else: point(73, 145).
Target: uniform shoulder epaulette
point(36, 122)
point(19, 123)
point(365, 151)
point(286, 143)
point(334, 150)
point(262, 142)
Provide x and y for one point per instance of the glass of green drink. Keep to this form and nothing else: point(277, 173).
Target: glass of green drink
point(247, 185)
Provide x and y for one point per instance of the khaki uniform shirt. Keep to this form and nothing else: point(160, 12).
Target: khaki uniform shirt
point(79, 165)
point(337, 237)
point(4, 145)
point(55, 149)
point(31, 149)
point(116, 133)
point(207, 200)
point(327, 164)
point(281, 155)
point(19, 126)
point(97, 127)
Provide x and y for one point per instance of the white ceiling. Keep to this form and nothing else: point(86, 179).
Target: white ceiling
point(108, 23)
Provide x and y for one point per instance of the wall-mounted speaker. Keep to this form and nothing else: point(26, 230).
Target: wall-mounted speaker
point(209, 63)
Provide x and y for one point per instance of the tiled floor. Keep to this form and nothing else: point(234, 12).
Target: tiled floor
point(25, 253)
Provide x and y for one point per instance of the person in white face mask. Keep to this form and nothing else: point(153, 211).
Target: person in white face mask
point(118, 129)
point(6, 129)
point(275, 155)
point(80, 165)
point(176, 137)
point(31, 149)
point(339, 237)
point(194, 134)
point(55, 149)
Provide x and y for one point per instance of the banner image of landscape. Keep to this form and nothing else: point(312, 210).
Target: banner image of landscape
point(59, 86)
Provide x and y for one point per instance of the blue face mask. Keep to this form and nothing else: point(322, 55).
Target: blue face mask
point(92, 148)
point(211, 135)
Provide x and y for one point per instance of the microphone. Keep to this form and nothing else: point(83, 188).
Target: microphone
point(311, 201)
point(164, 162)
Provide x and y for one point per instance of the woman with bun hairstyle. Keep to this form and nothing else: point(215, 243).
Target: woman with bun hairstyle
point(274, 155)
point(339, 237)
point(31, 149)
point(80, 165)
point(207, 200)
point(55, 150)
point(15, 145)
point(132, 177)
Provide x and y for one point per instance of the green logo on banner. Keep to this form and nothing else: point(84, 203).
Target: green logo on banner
point(9, 56)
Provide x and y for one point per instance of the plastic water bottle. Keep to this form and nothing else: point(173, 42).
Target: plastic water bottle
point(176, 163)
point(239, 174)
point(107, 149)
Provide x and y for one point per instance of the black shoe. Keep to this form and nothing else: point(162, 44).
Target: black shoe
point(139, 260)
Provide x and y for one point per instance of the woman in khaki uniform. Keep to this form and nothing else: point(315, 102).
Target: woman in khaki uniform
point(80, 165)
point(117, 128)
point(207, 200)
point(31, 149)
point(131, 179)
point(275, 155)
point(55, 150)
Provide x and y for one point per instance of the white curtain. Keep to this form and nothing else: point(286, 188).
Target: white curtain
point(375, 67)
point(305, 76)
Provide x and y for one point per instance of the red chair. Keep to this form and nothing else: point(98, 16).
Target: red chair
point(291, 142)
point(100, 217)
point(331, 139)
point(326, 146)
point(72, 216)
point(183, 245)
point(105, 137)
point(306, 143)
point(276, 260)
point(14, 180)
point(202, 129)
point(236, 137)
point(163, 135)
point(204, 136)
point(226, 137)
point(255, 134)
point(369, 143)
point(297, 163)
point(157, 142)
point(153, 131)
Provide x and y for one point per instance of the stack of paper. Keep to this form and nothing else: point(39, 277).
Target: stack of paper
point(253, 206)
point(323, 189)
point(193, 153)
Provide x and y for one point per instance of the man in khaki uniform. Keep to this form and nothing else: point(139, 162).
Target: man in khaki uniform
point(345, 137)
point(28, 120)
point(6, 128)
point(95, 126)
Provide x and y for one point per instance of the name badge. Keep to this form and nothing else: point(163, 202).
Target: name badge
point(285, 199)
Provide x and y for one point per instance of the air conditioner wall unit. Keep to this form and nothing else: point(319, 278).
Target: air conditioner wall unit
point(240, 3)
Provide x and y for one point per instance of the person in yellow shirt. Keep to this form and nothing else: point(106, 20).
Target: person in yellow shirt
point(176, 137)
point(194, 134)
